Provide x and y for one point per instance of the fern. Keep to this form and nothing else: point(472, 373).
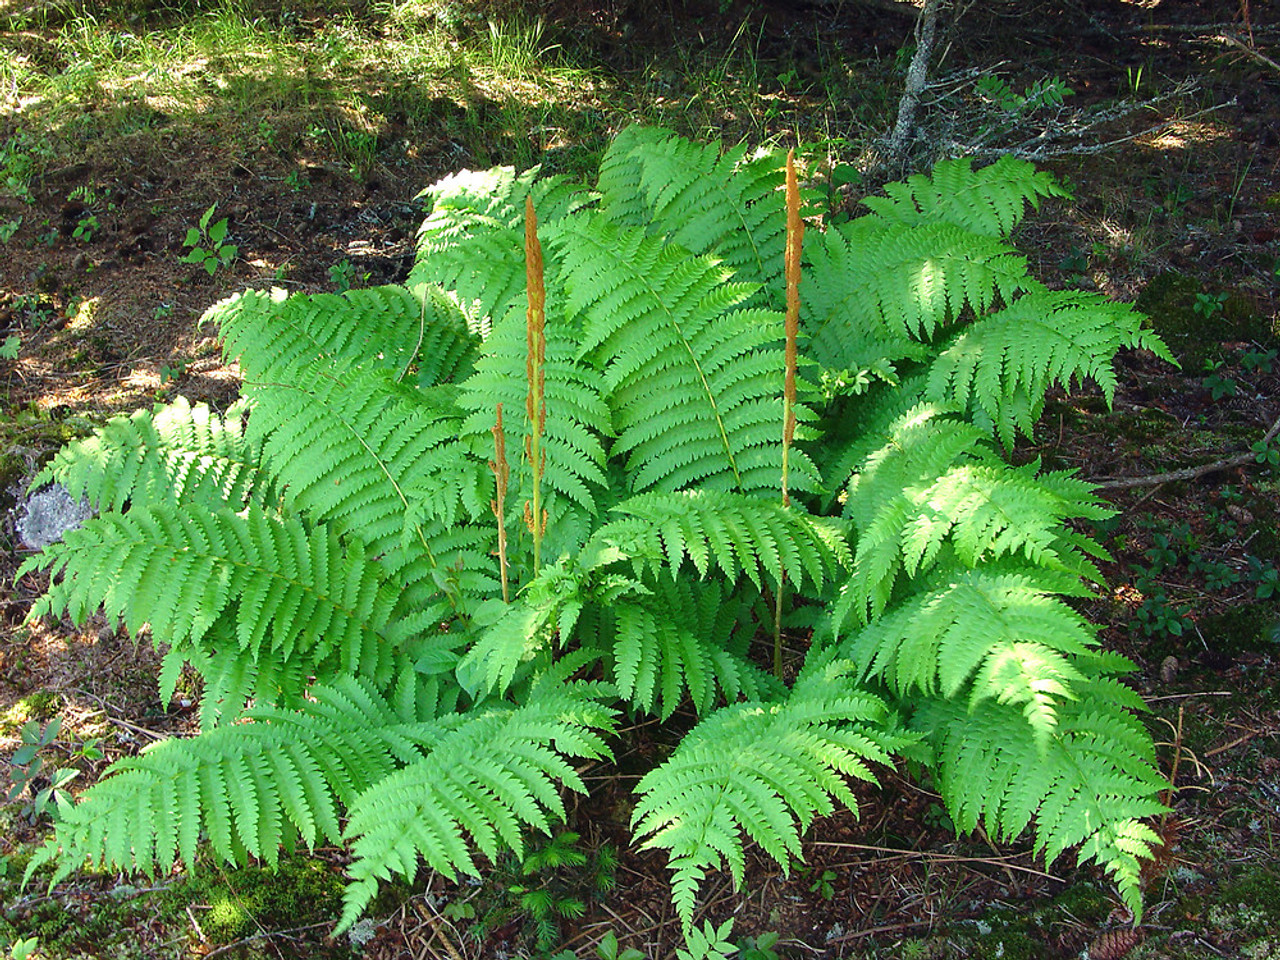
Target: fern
point(693, 383)
point(171, 454)
point(1003, 365)
point(762, 770)
point(387, 327)
point(989, 201)
point(451, 498)
point(1087, 785)
point(296, 592)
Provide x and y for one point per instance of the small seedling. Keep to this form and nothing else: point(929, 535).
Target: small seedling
point(9, 228)
point(709, 943)
point(1158, 617)
point(1259, 361)
point(759, 948)
point(1266, 577)
point(1264, 452)
point(28, 771)
point(171, 373)
point(9, 347)
point(206, 243)
point(1218, 383)
point(608, 949)
point(824, 885)
point(86, 228)
point(24, 949)
point(343, 274)
point(1209, 305)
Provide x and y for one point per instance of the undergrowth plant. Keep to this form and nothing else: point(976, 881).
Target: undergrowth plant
point(604, 453)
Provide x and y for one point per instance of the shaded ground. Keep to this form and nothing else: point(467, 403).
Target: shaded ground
point(106, 178)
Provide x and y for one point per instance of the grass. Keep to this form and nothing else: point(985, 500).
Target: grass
point(366, 88)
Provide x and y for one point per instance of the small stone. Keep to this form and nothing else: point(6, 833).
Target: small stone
point(48, 514)
point(1169, 669)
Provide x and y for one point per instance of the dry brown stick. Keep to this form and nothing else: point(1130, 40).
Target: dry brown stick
point(883, 928)
point(1002, 862)
point(1188, 473)
point(437, 929)
point(1236, 42)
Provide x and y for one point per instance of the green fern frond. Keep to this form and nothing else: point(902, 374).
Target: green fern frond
point(363, 454)
point(989, 201)
point(472, 242)
point(737, 534)
point(388, 328)
point(1089, 785)
point(174, 453)
point(297, 590)
point(1002, 365)
point(1003, 635)
point(488, 775)
point(695, 385)
point(251, 787)
point(676, 639)
point(897, 284)
point(704, 199)
point(576, 416)
point(762, 771)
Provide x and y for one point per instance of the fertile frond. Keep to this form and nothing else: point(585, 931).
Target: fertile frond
point(1002, 365)
point(888, 285)
point(1001, 635)
point(989, 201)
point(472, 242)
point(277, 776)
point(174, 453)
point(705, 200)
point(737, 534)
point(297, 590)
point(1087, 785)
point(575, 415)
point(488, 775)
point(694, 384)
point(759, 769)
point(388, 328)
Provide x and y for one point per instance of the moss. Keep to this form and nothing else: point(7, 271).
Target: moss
point(1194, 337)
point(41, 705)
point(241, 902)
point(1258, 889)
point(1241, 629)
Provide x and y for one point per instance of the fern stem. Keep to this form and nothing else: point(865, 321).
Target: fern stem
point(535, 406)
point(795, 234)
point(499, 505)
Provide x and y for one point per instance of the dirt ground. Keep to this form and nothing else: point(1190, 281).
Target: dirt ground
point(1177, 207)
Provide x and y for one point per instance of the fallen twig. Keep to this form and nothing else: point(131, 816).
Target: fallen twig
point(1237, 42)
point(1188, 473)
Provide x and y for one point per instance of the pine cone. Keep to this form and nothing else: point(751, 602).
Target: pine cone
point(1114, 945)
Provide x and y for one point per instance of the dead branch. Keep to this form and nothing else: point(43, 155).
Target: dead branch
point(1189, 473)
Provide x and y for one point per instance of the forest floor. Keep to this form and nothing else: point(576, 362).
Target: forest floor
point(312, 126)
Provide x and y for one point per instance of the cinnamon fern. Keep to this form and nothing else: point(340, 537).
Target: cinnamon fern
point(595, 456)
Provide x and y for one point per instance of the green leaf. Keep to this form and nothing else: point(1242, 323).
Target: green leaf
point(218, 232)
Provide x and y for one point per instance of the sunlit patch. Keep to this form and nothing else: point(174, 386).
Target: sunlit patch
point(1184, 134)
point(83, 318)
